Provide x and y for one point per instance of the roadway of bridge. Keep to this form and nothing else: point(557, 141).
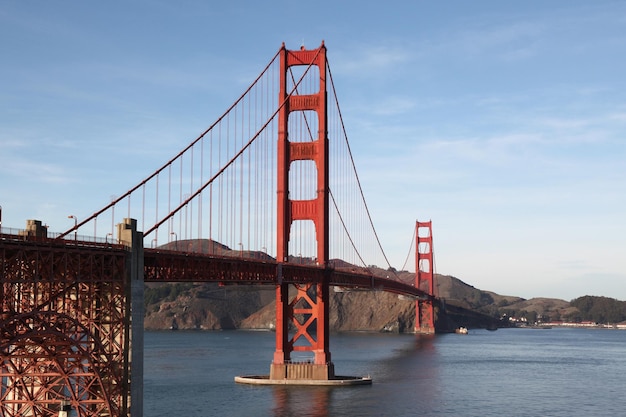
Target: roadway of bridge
point(175, 266)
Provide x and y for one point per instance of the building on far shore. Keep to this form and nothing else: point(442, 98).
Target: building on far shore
point(620, 326)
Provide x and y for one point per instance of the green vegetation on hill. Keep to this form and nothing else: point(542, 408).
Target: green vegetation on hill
point(598, 309)
point(168, 292)
point(601, 310)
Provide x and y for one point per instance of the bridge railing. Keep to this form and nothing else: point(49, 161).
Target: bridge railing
point(15, 234)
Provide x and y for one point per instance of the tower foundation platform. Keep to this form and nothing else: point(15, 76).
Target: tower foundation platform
point(335, 381)
point(303, 373)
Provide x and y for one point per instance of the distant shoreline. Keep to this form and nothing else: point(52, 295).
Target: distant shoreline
point(586, 325)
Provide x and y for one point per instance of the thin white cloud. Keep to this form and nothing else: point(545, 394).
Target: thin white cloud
point(393, 106)
point(619, 117)
point(365, 61)
point(7, 143)
point(508, 42)
point(35, 171)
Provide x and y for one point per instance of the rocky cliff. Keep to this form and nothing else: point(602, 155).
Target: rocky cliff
point(212, 307)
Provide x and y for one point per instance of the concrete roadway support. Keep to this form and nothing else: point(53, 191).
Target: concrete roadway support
point(425, 315)
point(128, 235)
point(64, 327)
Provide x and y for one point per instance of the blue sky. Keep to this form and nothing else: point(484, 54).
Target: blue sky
point(503, 122)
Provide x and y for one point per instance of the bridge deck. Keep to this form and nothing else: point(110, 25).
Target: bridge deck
point(175, 266)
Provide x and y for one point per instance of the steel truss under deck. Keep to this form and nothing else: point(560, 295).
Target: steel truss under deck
point(64, 328)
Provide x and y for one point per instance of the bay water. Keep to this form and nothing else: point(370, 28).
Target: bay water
point(508, 372)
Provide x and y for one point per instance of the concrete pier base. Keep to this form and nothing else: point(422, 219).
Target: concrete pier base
point(302, 370)
point(335, 381)
point(302, 373)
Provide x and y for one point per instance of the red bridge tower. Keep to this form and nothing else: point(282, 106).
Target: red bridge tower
point(424, 277)
point(308, 311)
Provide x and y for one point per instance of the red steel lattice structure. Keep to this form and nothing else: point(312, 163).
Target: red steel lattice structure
point(308, 311)
point(65, 331)
point(424, 277)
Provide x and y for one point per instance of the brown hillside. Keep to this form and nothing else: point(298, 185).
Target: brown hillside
point(209, 306)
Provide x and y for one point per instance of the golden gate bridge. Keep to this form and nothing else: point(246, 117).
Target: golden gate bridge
point(274, 175)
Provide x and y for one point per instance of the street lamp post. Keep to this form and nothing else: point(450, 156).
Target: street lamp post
point(71, 216)
point(175, 240)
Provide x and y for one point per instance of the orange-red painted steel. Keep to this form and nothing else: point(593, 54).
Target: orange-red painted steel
point(424, 277)
point(64, 330)
point(308, 311)
point(170, 266)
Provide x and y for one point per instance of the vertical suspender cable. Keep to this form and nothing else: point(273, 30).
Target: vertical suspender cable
point(201, 194)
point(220, 196)
point(156, 210)
point(230, 190)
point(113, 219)
point(241, 167)
point(169, 202)
point(191, 190)
point(180, 199)
point(249, 168)
point(211, 192)
point(143, 207)
point(257, 148)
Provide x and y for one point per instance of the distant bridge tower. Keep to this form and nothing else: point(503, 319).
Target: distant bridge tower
point(308, 311)
point(424, 277)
